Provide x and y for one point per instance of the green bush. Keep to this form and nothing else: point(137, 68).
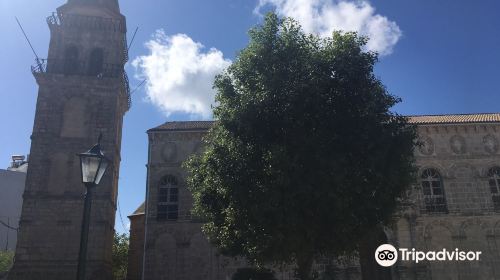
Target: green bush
point(6, 261)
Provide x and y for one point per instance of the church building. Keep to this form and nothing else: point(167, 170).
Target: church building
point(454, 204)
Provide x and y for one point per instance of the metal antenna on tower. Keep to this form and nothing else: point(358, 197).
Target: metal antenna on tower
point(137, 87)
point(133, 37)
point(29, 42)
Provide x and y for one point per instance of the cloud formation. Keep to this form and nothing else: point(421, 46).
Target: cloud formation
point(180, 73)
point(324, 16)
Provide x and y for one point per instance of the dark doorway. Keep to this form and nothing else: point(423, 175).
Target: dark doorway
point(96, 62)
point(370, 269)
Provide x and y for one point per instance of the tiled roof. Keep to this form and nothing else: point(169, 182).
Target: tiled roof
point(185, 125)
point(455, 119)
point(427, 119)
point(140, 210)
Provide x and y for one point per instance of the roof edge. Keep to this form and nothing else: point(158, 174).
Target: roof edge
point(135, 215)
point(467, 118)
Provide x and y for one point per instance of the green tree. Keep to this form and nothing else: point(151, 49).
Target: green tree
point(305, 156)
point(6, 261)
point(120, 256)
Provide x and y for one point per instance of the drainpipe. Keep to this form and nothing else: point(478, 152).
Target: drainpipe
point(146, 209)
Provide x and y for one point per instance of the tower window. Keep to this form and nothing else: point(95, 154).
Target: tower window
point(432, 188)
point(71, 60)
point(494, 182)
point(95, 66)
point(168, 199)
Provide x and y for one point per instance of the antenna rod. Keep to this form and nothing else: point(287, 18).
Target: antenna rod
point(137, 87)
point(27, 39)
point(133, 37)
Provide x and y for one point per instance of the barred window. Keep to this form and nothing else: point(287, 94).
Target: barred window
point(432, 188)
point(494, 182)
point(168, 199)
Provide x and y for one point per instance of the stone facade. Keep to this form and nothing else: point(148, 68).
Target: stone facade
point(175, 247)
point(465, 156)
point(452, 205)
point(82, 92)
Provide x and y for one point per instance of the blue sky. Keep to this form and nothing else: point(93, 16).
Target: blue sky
point(439, 56)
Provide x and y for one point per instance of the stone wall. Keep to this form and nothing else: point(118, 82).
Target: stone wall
point(136, 247)
point(71, 111)
point(461, 155)
point(53, 200)
point(177, 249)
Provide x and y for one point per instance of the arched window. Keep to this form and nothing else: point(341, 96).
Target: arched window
point(432, 188)
point(168, 199)
point(71, 60)
point(494, 182)
point(96, 60)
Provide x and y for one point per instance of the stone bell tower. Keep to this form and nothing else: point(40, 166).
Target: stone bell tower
point(83, 92)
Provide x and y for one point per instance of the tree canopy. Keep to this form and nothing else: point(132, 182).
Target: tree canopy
point(305, 156)
point(120, 256)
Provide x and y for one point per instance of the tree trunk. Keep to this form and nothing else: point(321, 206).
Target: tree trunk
point(304, 267)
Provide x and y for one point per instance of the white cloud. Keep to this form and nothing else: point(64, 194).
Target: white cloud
point(324, 16)
point(180, 74)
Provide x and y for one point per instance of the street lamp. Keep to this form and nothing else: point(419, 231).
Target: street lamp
point(93, 164)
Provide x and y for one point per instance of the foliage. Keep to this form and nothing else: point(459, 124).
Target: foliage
point(120, 256)
point(6, 261)
point(305, 156)
point(249, 273)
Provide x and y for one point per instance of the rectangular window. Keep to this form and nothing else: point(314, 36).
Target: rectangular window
point(168, 212)
point(168, 208)
point(168, 199)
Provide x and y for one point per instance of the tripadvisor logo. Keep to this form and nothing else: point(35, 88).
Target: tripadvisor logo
point(387, 255)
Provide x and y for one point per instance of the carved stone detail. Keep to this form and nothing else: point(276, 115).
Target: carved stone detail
point(427, 146)
point(457, 145)
point(169, 152)
point(490, 144)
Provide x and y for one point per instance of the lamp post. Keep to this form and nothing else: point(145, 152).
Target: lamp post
point(93, 164)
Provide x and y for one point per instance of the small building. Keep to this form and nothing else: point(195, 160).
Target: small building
point(12, 183)
point(136, 245)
